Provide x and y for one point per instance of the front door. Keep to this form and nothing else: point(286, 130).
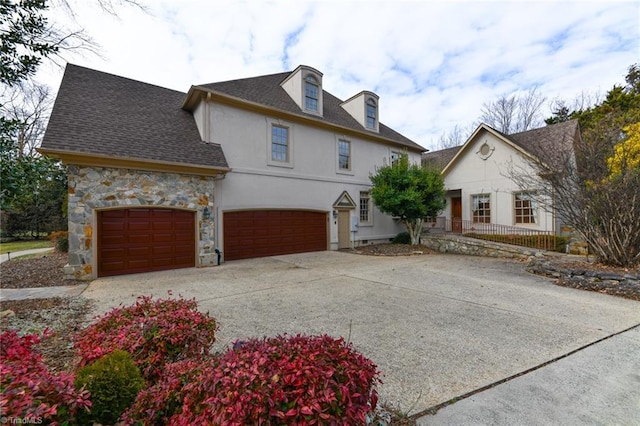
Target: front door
point(344, 229)
point(456, 215)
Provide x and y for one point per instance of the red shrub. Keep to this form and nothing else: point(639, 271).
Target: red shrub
point(297, 380)
point(166, 401)
point(153, 332)
point(29, 390)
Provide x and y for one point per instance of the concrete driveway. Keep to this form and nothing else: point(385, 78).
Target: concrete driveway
point(437, 326)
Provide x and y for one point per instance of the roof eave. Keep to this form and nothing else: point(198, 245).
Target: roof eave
point(497, 134)
point(196, 92)
point(101, 160)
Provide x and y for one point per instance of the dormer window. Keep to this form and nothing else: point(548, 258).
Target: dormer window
point(304, 86)
point(372, 113)
point(364, 108)
point(311, 91)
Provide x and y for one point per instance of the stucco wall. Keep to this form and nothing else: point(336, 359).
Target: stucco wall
point(472, 174)
point(311, 181)
point(94, 188)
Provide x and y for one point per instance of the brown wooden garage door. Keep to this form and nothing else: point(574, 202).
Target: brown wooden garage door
point(258, 233)
point(145, 239)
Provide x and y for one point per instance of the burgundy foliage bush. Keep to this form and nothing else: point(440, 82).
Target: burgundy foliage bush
point(166, 401)
point(30, 392)
point(300, 380)
point(155, 333)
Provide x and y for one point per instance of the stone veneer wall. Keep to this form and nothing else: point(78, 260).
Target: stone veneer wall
point(447, 243)
point(92, 188)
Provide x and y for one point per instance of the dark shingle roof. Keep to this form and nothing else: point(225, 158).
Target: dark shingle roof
point(101, 114)
point(555, 138)
point(439, 159)
point(266, 90)
point(545, 143)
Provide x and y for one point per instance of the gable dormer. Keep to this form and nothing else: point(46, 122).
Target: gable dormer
point(304, 85)
point(364, 108)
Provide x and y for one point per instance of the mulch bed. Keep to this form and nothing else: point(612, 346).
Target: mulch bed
point(31, 272)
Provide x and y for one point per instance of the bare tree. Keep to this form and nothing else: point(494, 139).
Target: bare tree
point(29, 105)
point(574, 181)
point(457, 136)
point(529, 110)
point(515, 113)
point(562, 110)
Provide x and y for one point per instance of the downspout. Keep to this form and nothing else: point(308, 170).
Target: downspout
point(218, 223)
point(207, 119)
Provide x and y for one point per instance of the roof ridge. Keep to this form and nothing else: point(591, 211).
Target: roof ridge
point(235, 80)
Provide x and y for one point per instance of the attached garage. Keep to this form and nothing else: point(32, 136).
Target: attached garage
point(145, 239)
point(259, 233)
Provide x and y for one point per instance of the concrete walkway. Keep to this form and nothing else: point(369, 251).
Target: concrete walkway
point(42, 292)
point(12, 255)
point(37, 292)
point(598, 385)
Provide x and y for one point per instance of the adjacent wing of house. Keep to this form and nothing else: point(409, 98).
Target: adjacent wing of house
point(160, 179)
point(479, 176)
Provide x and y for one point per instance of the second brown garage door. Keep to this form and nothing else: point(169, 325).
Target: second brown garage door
point(258, 233)
point(145, 239)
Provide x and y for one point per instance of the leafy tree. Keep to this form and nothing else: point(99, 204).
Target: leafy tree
point(33, 188)
point(409, 192)
point(626, 155)
point(26, 39)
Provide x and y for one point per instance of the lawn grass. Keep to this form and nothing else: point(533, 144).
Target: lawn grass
point(24, 245)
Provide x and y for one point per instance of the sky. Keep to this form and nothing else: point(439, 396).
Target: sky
point(432, 63)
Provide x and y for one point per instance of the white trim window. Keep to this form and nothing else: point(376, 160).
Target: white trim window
point(395, 157)
point(311, 93)
point(371, 117)
point(365, 208)
point(481, 212)
point(344, 155)
point(279, 143)
point(525, 205)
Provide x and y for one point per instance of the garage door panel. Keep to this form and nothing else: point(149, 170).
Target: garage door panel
point(137, 264)
point(145, 239)
point(162, 238)
point(114, 240)
point(136, 238)
point(113, 266)
point(271, 232)
point(115, 253)
point(138, 251)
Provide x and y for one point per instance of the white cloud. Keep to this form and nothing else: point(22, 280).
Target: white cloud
point(433, 63)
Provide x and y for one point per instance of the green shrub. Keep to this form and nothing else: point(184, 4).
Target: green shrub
point(402, 238)
point(113, 382)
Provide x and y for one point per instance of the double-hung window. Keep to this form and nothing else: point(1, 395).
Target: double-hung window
point(525, 207)
point(279, 143)
point(311, 93)
point(481, 212)
point(365, 207)
point(372, 114)
point(344, 155)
